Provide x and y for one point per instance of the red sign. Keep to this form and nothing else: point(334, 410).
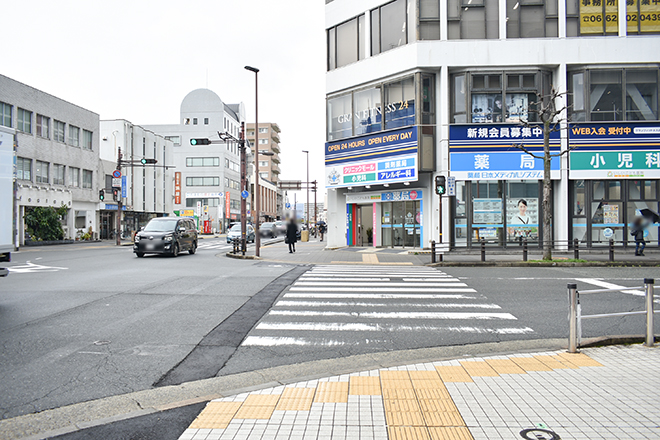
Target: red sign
point(413, 195)
point(227, 204)
point(177, 188)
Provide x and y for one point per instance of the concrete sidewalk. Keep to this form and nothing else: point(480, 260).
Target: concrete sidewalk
point(316, 252)
point(601, 393)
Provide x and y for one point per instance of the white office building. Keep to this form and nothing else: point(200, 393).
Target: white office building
point(56, 158)
point(147, 191)
point(206, 177)
point(419, 89)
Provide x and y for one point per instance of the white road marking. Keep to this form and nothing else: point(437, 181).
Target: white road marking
point(397, 315)
point(605, 285)
point(304, 278)
point(363, 327)
point(377, 296)
point(29, 267)
point(284, 303)
point(383, 289)
point(378, 285)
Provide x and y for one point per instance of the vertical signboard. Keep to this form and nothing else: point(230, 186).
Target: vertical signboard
point(177, 188)
point(123, 187)
point(227, 205)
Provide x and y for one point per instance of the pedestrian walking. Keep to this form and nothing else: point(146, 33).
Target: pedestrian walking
point(637, 231)
point(292, 235)
point(321, 226)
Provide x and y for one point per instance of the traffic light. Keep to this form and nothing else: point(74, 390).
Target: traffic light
point(200, 141)
point(440, 185)
point(101, 195)
point(115, 194)
point(145, 161)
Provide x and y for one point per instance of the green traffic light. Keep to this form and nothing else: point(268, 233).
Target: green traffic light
point(193, 141)
point(143, 161)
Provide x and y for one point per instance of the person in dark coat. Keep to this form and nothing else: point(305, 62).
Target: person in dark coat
point(637, 231)
point(291, 235)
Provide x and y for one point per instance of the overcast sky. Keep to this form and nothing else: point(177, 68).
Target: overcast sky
point(138, 59)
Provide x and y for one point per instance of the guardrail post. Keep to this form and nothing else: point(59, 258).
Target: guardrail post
point(483, 250)
point(433, 251)
point(611, 249)
point(572, 317)
point(525, 250)
point(648, 287)
point(576, 248)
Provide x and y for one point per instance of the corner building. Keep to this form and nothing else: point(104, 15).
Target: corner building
point(421, 88)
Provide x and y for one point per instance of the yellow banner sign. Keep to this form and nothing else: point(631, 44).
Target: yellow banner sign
point(599, 16)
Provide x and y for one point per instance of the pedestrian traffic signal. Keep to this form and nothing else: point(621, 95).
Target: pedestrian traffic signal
point(145, 161)
point(101, 195)
point(200, 141)
point(115, 194)
point(440, 185)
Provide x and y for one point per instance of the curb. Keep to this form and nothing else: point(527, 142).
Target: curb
point(544, 264)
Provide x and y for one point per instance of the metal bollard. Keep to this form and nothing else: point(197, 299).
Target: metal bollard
point(648, 287)
point(483, 250)
point(576, 248)
point(525, 250)
point(573, 301)
point(433, 251)
point(611, 249)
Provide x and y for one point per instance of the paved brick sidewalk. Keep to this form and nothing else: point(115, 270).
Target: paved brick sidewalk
point(602, 393)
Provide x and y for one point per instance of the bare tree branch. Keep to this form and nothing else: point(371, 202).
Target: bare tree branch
point(524, 149)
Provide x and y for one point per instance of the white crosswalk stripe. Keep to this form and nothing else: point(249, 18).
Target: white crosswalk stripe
point(348, 305)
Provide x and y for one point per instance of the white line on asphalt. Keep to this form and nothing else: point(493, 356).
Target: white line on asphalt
point(397, 315)
point(384, 274)
point(606, 285)
point(375, 284)
point(383, 289)
point(303, 278)
point(377, 296)
point(284, 303)
point(355, 326)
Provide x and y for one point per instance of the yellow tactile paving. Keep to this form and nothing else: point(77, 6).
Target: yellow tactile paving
point(452, 418)
point(436, 394)
point(401, 394)
point(396, 385)
point(579, 359)
point(479, 369)
point(258, 406)
point(453, 373)
point(216, 415)
point(370, 258)
point(296, 399)
point(408, 433)
point(364, 386)
point(410, 418)
point(453, 433)
point(426, 380)
point(401, 406)
point(439, 405)
point(505, 366)
point(331, 392)
point(530, 364)
point(394, 375)
point(554, 362)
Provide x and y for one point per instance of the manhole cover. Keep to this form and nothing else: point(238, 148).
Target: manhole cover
point(539, 434)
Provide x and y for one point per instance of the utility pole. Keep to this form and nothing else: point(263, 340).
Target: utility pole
point(119, 204)
point(315, 210)
point(241, 146)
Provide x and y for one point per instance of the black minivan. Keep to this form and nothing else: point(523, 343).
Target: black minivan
point(166, 235)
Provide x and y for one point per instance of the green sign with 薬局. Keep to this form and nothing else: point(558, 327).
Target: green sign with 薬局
point(614, 164)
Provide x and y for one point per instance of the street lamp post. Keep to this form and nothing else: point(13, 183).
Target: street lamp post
point(256, 158)
point(307, 207)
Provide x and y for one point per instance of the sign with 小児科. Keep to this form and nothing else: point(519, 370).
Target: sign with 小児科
point(614, 150)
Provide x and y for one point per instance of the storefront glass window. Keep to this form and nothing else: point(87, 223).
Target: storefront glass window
point(487, 212)
point(641, 95)
point(651, 232)
point(339, 117)
point(578, 198)
point(614, 190)
point(606, 215)
point(606, 97)
point(368, 112)
point(650, 190)
point(398, 222)
point(400, 103)
point(387, 217)
point(522, 211)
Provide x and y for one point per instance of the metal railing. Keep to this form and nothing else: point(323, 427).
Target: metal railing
point(483, 247)
point(575, 315)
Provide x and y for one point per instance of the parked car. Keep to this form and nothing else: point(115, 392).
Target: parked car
point(268, 229)
point(280, 226)
point(234, 234)
point(166, 235)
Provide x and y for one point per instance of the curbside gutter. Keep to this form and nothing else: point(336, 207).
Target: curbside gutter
point(545, 264)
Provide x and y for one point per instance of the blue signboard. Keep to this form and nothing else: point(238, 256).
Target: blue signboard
point(491, 152)
point(245, 194)
point(123, 186)
point(388, 157)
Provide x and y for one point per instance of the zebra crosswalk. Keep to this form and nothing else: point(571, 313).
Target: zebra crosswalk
point(357, 305)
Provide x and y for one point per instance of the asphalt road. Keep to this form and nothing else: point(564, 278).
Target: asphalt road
point(86, 321)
